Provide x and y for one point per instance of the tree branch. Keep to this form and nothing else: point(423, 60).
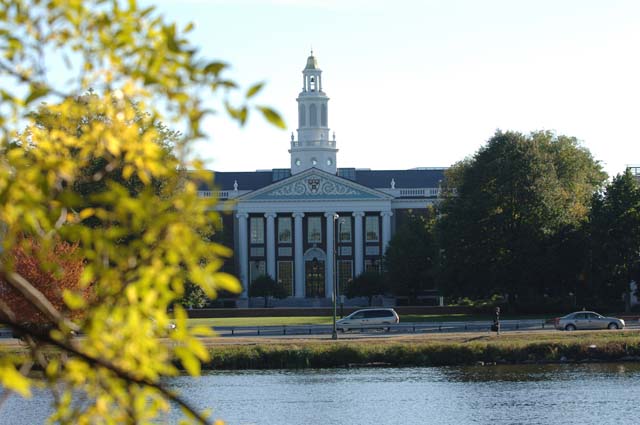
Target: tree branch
point(120, 373)
point(37, 299)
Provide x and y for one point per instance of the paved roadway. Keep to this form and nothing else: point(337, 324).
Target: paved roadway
point(373, 330)
point(398, 329)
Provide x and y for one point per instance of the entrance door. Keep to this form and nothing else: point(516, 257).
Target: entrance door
point(314, 278)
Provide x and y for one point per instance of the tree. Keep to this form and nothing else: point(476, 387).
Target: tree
point(149, 243)
point(615, 231)
point(100, 170)
point(506, 203)
point(265, 286)
point(367, 284)
point(55, 275)
point(194, 296)
point(411, 259)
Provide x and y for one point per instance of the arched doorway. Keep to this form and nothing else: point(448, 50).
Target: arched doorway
point(314, 261)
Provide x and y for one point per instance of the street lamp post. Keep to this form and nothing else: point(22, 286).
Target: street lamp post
point(336, 217)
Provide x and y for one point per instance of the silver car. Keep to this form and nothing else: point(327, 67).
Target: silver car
point(587, 320)
point(367, 317)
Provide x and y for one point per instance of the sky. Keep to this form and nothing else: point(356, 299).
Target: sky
point(425, 83)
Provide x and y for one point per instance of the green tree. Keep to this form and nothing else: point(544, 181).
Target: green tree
point(615, 231)
point(135, 61)
point(367, 284)
point(411, 259)
point(265, 286)
point(194, 296)
point(100, 171)
point(505, 204)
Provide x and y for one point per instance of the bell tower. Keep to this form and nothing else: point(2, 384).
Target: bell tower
point(314, 148)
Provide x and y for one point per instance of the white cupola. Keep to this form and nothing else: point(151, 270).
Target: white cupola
point(313, 149)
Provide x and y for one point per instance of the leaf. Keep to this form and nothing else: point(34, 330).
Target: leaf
point(189, 361)
point(37, 91)
point(253, 90)
point(272, 116)
point(215, 67)
point(202, 331)
point(86, 213)
point(228, 282)
point(73, 300)
point(14, 380)
point(239, 114)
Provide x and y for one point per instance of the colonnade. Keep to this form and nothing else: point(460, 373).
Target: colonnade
point(298, 247)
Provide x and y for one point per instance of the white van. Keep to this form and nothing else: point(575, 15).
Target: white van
point(367, 317)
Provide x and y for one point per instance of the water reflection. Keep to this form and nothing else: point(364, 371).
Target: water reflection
point(533, 394)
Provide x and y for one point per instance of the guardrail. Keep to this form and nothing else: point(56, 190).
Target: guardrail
point(400, 328)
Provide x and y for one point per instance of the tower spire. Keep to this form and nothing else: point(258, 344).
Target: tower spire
point(314, 147)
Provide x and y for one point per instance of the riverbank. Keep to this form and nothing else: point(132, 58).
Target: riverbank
point(424, 350)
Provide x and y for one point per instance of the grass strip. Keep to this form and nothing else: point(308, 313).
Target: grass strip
point(423, 353)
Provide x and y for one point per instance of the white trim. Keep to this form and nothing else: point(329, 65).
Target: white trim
point(303, 175)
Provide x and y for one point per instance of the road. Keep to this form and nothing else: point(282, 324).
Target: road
point(398, 329)
point(408, 328)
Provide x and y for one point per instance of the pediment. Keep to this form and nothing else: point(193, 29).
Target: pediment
point(315, 185)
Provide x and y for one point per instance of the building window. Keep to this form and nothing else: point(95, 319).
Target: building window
point(303, 118)
point(371, 228)
point(257, 230)
point(345, 275)
point(344, 229)
point(346, 251)
point(313, 115)
point(284, 229)
point(256, 269)
point(323, 115)
point(285, 276)
point(314, 230)
point(372, 250)
point(257, 251)
point(285, 251)
point(372, 266)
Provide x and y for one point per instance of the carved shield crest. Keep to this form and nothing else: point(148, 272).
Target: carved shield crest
point(314, 184)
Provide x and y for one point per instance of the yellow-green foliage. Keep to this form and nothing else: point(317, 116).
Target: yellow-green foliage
point(138, 69)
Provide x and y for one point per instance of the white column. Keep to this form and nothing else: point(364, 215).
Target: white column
point(330, 261)
point(298, 256)
point(358, 245)
point(386, 229)
point(271, 244)
point(243, 252)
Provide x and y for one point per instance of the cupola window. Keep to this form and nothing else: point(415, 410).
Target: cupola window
point(313, 115)
point(303, 116)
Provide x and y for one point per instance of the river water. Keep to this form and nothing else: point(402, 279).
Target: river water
point(602, 394)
